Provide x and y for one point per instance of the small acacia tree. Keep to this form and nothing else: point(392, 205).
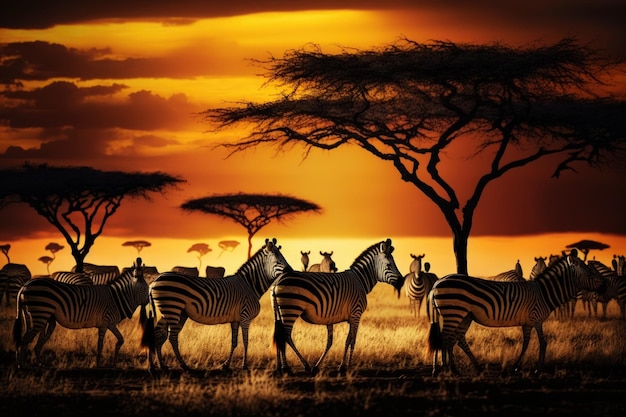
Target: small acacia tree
point(410, 103)
point(252, 211)
point(78, 201)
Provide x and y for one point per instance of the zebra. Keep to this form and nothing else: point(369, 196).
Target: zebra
point(458, 300)
point(615, 289)
point(12, 277)
point(42, 302)
point(513, 275)
point(68, 277)
point(326, 265)
point(538, 268)
point(304, 258)
point(233, 299)
point(330, 298)
point(101, 274)
point(418, 283)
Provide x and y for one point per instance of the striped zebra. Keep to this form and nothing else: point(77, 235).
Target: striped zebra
point(417, 286)
point(538, 268)
point(233, 299)
point(69, 277)
point(330, 298)
point(12, 277)
point(513, 275)
point(42, 302)
point(414, 285)
point(615, 289)
point(458, 300)
point(101, 274)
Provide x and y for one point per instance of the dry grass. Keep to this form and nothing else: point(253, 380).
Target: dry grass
point(391, 365)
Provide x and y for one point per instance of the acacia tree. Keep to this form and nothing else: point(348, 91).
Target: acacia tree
point(252, 211)
point(78, 201)
point(409, 103)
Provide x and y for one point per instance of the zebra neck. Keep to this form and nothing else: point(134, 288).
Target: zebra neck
point(366, 277)
point(255, 279)
point(121, 291)
point(556, 290)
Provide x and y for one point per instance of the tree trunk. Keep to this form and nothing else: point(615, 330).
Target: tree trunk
point(460, 252)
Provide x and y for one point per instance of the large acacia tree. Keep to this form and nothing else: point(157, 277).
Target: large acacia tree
point(410, 103)
point(78, 201)
point(252, 211)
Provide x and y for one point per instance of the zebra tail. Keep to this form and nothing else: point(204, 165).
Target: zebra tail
point(143, 317)
point(148, 339)
point(280, 340)
point(434, 335)
point(17, 326)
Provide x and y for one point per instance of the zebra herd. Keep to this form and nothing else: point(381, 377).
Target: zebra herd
point(87, 300)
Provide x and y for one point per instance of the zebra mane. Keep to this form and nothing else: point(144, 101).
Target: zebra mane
point(385, 245)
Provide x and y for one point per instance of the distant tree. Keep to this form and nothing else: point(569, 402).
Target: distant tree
point(411, 103)
point(252, 211)
point(78, 201)
point(227, 245)
point(5, 251)
point(47, 260)
point(137, 244)
point(202, 249)
point(53, 248)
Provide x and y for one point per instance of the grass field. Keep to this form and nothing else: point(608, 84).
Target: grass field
point(390, 375)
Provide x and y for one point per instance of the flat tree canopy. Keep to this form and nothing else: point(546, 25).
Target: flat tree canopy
point(252, 211)
point(78, 201)
point(409, 103)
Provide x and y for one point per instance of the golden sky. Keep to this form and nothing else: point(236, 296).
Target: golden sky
point(115, 85)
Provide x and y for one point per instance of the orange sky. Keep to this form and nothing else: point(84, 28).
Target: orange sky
point(115, 87)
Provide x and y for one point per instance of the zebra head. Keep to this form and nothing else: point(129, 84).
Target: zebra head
point(585, 276)
point(275, 263)
point(387, 271)
point(140, 286)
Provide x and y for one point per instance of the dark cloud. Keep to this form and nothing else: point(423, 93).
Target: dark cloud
point(39, 60)
point(60, 104)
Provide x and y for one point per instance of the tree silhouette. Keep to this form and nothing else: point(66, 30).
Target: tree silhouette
point(53, 248)
point(413, 104)
point(78, 201)
point(252, 211)
point(227, 245)
point(202, 249)
point(137, 244)
point(5, 251)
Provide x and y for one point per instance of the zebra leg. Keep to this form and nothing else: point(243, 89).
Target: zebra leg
point(329, 343)
point(543, 344)
point(460, 335)
point(44, 336)
point(289, 340)
point(120, 341)
point(245, 327)
point(234, 327)
point(350, 343)
point(160, 336)
point(173, 337)
point(526, 329)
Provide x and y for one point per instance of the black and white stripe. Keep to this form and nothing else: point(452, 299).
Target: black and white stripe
point(69, 277)
point(330, 298)
point(459, 300)
point(615, 290)
point(44, 302)
point(233, 299)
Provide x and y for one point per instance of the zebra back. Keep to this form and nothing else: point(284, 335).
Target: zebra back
point(12, 277)
point(508, 276)
point(69, 277)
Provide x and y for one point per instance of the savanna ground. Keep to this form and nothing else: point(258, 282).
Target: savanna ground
point(391, 374)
